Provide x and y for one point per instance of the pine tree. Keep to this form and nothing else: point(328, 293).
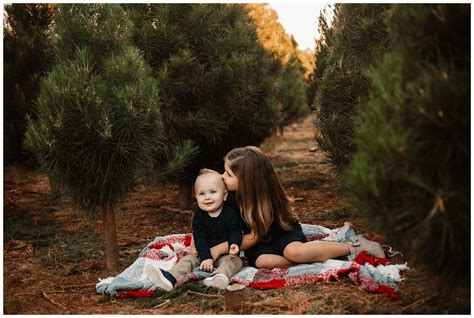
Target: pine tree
point(293, 93)
point(271, 33)
point(213, 77)
point(321, 55)
point(26, 60)
point(411, 174)
point(98, 124)
point(358, 37)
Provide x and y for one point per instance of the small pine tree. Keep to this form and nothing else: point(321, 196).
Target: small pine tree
point(26, 59)
point(358, 37)
point(213, 77)
point(293, 93)
point(411, 174)
point(288, 79)
point(321, 55)
point(98, 124)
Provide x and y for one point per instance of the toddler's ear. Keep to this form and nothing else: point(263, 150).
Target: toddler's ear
point(226, 193)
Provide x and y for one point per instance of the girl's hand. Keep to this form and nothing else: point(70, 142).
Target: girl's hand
point(234, 250)
point(219, 250)
point(207, 265)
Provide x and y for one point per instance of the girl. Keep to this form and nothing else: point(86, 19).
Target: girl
point(275, 237)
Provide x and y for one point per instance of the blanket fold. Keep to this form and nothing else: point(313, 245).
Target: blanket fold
point(366, 272)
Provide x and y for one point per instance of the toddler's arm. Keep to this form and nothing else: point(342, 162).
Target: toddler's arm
point(248, 241)
point(199, 236)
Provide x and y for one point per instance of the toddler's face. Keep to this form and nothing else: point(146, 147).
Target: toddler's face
point(210, 192)
point(229, 178)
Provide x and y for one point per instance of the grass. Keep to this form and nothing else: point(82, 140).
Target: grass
point(12, 306)
point(287, 165)
point(307, 182)
point(130, 253)
point(52, 243)
point(160, 295)
point(81, 244)
point(343, 213)
point(27, 227)
point(332, 215)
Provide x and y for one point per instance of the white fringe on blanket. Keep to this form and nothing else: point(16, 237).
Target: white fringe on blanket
point(165, 251)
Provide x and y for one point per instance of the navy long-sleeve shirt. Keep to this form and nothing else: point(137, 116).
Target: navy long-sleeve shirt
point(209, 231)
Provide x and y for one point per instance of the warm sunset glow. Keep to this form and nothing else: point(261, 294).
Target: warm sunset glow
point(301, 21)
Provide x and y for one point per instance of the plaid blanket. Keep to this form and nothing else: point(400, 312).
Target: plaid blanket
point(367, 273)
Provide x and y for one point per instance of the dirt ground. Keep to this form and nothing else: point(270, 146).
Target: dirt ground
point(53, 255)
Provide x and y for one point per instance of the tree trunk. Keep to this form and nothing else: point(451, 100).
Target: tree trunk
point(54, 188)
point(281, 130)
point(110, 238)
point(234, 298)
point(185, 195)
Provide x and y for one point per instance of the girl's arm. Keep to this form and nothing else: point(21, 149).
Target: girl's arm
point(219, 249)
point(248, 241)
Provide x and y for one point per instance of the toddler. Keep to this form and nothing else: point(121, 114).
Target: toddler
point(213, 223)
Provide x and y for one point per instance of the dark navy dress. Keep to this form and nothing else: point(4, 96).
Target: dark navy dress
point(275, 242)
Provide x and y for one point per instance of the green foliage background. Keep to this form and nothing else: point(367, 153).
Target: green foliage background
point(214, 80)
point(357, 37)
point(26, 44)
point(293, 93)
point(411, 174)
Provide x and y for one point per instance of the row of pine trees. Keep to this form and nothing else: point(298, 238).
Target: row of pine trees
point(107, 96)
point(391, 93)
point(130, 93)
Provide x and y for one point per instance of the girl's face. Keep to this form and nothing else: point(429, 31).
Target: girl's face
point(229, 178)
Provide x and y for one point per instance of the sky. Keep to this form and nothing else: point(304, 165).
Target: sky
point(300, 20)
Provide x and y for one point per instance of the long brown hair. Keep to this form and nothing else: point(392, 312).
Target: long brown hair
point(260, 194)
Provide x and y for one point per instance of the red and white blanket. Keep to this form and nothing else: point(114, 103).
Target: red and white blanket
point(368, 273)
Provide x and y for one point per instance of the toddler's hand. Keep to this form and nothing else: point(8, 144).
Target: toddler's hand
point(207, 265)
point(234, 250)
